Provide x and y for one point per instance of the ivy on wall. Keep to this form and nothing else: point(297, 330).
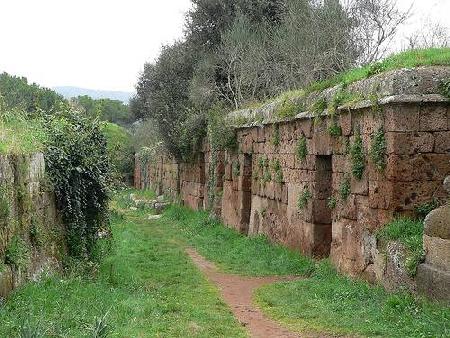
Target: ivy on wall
point(79, 169)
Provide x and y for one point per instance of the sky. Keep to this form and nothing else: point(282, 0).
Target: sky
point(103, 44)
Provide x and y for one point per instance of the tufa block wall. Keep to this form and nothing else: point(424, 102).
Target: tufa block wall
point(31, 232)
point(293, 180)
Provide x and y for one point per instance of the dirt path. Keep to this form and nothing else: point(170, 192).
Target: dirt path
point(237, 291)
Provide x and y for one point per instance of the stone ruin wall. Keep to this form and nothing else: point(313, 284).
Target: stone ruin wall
point(29, 213)
point(416, 125)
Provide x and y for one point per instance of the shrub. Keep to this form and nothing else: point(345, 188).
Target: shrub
point(78, 166)
point(332, 202)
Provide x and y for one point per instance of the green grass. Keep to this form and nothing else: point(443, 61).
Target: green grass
point(329, 302)
point(407, 59)
point(19, 135)
point(408, 232)
point(233, 252)
point(147, 287)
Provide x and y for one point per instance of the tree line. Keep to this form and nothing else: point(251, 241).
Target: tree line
point(238, 52)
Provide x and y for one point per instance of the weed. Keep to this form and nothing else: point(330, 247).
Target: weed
point(301, 148)
point(332, 202)
point(289, 108)
point(278, 172)
point(408, 232)
point(357, 157)
point(319, 107)
point(445, 88)
point(345, 188)
point(17, 253)
point(424, 209)
point(236, 168)
point(303, 199)
point(276, 135)
point(335, 129)
point(378, 150)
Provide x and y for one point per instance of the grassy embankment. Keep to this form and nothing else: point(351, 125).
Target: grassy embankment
point(20, 135)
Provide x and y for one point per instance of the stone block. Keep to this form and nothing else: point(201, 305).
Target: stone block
point(433, 282)
point(421, 167)
point(437, 223)
point(442, 142)
point(380, 194)
point(437, 252)
point(408, 143)
point(402, 117)
point(304, 127)
point(345, 121)
point(433, 117)
point(360, 187)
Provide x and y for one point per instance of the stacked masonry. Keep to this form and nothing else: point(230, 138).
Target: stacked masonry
point(259, 186)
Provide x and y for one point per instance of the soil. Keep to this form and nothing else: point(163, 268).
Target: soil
point(237, 292)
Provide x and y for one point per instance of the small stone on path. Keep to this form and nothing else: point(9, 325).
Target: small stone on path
point(153, 217)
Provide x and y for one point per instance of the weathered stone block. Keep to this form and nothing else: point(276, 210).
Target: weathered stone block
point(442, 142)
point(345, 121)
point(437, 252)
point(433, 118)
point(408, 143)
point(437, 223)
point(402, 117)
point(380, 194)
point(433, 282)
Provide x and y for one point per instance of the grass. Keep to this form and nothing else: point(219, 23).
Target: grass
point(19, 135)
point(407, 59)
point(329, 302)
point(233, 252)
point(408, 232)
point(147, 287)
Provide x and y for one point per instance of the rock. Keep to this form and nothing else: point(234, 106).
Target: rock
point(133, 208)
point(160, 206)
point(437, 252)
point(447, 184)
point(153, 217)
point(160, 198)
point(433, 282)
point(437, 223)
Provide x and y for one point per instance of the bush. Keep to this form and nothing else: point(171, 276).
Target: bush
point(78, 166)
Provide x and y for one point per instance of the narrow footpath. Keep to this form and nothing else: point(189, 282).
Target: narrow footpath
point(237, 292)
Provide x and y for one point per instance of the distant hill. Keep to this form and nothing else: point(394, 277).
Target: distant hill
point(69, 92)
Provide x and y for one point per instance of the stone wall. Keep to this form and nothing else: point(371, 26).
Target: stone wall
point(313, 203)
point(31, 232)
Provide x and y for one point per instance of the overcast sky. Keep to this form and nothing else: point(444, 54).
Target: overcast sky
point(103, 44)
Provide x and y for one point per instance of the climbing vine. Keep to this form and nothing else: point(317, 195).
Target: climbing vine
point(79, 169)
point(357, 157)
point(378, 149)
